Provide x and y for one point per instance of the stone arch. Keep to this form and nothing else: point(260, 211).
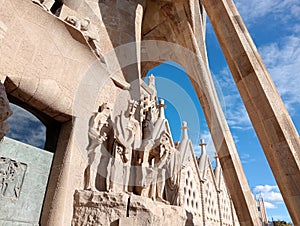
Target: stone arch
point(179, 17)
point(179, 23)
point(51, 126)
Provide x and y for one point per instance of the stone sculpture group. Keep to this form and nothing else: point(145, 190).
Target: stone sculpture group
point(142, 155)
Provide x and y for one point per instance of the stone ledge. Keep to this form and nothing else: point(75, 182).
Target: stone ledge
point(103, 208)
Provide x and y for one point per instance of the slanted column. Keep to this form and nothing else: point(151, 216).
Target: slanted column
point(271, 121)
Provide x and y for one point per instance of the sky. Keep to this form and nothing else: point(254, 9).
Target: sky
point(275, 28)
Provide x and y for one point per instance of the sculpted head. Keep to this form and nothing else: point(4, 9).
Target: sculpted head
point(71, 19)
point(105, 109)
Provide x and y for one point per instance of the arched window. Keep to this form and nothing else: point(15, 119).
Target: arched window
point(25, 127)
point(31, 126)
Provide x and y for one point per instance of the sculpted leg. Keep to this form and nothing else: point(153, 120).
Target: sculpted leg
point(91, 171)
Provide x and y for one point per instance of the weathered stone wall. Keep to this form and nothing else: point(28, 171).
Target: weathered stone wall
point(102, 209)
point(46, 63)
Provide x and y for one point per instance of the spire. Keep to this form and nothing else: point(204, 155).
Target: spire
point(217, 171)
point(203, 147)
point(184, 129)
point(151, 85)
point(151, 81)
point(203, 159)
point(161, 107)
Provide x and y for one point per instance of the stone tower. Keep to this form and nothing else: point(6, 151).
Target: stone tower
point(78, 65)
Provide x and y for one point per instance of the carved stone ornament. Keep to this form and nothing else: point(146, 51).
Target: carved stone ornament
point(143, 157)
point(97, 135)
point(127, 135)
point(90, 33)
point(12, 175)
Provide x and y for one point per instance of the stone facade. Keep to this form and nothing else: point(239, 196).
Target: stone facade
point(79, 64)
point(136, 186)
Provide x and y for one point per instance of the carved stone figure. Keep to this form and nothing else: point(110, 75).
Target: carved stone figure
point(97, 136)
point(147, 142)
point(90, 33)
point(127, 134)
point(147, 103)
point(160, 156)
point(167, 166)
point(5, 111)
point(11, 177)
point(173, 167)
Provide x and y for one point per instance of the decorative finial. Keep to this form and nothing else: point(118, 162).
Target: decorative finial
point(202, 145)
point(161, 107)
point(151, 80)
point(202, 142)
point(184, 128)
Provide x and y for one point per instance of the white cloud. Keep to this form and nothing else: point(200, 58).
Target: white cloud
point(246, 158)
point(234, 109)
point(269, 193)
point(26, 128)
point(281, 10)
point(269, 205)
point(265, 188)
point(282, 61)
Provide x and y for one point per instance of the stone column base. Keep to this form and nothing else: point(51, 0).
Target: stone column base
point(118, 209)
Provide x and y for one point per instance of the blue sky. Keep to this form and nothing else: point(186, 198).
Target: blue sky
point(275, 28)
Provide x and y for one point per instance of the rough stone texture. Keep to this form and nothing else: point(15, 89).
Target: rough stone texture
point(23, 205)
point(203, 196)
point(43, 62)
point(47, 63)
point(100, 208)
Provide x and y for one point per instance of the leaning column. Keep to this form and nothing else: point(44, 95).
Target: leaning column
point(271, 121)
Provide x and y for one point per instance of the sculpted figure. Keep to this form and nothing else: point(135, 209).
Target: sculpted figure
point(127, 132)
point(173, 167)
point(11, 177)
point(4, 163)
point(146, 103)
point(5, 112)
point(12, 183)
point(167, 167)
point(90, 33)
point(147, 140)
point(96, 136)
point(160, 155)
